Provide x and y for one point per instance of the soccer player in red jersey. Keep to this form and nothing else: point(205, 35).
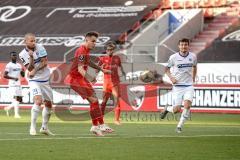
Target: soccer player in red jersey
point(111, 80)
point(81, 82)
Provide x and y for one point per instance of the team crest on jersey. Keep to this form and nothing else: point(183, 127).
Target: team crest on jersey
point(81, 58)
point(136, 96)
point(190, 59)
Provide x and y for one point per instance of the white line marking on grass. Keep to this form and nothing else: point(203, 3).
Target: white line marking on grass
point(50, 138)
point(185, 136)
point(12, 133)
point(109, 137)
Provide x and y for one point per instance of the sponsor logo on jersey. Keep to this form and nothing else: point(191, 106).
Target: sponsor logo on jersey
point(185, 65)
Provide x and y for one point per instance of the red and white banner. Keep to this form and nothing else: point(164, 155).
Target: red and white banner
point(219, 93)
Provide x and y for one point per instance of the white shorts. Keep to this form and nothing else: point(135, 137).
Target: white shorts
point(179, 94)
point(15, 91)
point(42, 89)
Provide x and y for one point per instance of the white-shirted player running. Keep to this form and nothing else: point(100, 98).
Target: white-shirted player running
point(183, 65)
point(13, 73)
point(34, 57)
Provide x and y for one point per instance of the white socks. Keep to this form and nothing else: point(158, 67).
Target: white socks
point(34, 114)
point(16, 108)
point(46, 113)
point(184, 116)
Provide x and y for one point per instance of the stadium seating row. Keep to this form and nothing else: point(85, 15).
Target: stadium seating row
point(211, 8)
point(177, 4)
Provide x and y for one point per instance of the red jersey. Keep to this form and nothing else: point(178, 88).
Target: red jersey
point(81, 56)
point(111, 63)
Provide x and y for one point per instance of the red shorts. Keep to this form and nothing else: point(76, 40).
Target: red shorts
point(80, 85)
point(108, 86)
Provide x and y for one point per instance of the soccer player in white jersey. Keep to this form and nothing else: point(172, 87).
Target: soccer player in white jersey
point(183, 71)
point(34, 58)
point(13, 73)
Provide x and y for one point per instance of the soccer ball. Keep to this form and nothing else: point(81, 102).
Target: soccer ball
point(147, 76)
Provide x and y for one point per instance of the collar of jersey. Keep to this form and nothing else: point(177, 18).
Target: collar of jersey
point(182, 55)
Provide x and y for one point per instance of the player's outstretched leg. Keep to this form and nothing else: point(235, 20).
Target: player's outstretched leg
point(165, 111)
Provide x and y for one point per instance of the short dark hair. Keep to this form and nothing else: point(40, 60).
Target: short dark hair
point(184, 40)
point(13, 52)
point(110, 44)
point(92, 33)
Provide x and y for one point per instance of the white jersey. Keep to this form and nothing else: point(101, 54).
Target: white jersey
point(14, 70)
point(42, 75)
point(181, 67)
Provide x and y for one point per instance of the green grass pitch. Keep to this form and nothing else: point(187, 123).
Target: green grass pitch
point(141, 136)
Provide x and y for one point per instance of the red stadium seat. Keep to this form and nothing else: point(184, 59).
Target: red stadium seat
point(208, 13)
point(177, 5)
point(123, 37)
point(189, 4)
point(148, 16)
point(223, 2)
point(166, 4)
point(136, 26)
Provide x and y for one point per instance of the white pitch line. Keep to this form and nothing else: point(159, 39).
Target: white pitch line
point(50, 138)
point(108, 137)
point(12, 133)
point(182, 136)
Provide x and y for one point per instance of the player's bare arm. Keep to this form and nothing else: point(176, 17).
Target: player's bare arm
point(93, 65)
point(168, 73)
point(9, 77)
point(194, 73)
point(30, 66)
point(43, 64)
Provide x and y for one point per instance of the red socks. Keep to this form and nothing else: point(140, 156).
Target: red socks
point(96, 114)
